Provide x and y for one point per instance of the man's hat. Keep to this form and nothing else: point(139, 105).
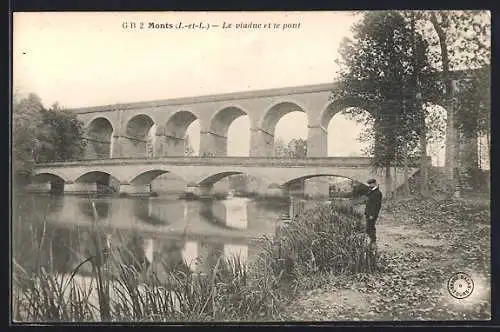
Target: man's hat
point(371, 181)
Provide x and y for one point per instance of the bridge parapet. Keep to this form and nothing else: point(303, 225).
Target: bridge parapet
point(226, 161)
point(216, 161)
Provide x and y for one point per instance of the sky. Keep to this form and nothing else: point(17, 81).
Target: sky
point(90, 59)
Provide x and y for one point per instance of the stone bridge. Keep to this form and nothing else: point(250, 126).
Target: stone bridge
point(158, 128)
point(129, 145)
point(122, 130)
point(134, 176)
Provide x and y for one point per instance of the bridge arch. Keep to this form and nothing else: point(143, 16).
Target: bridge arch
point(322, 186)
point(48, 181)
point(227, 180)
point(311, 176)
point(274, 113)
point(336, 106)
point(47, 177)
point(219, 128)
point(140, 134)
point(99, 136)
point(175, 132)
point(338, 131)
point(145, 178)
point(214, 178)
point(102, 180)
point(265, 137)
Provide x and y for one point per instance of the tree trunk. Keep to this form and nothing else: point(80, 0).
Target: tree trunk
point(488, 147)
point(480, 152)
point(388, 181)
point(406, 179)
point(450, 143)
point(424, 165)
point(470, 160)
point(424, 186)
point(395, 183)
point(406, 175)
point(451, 133)
point(469, 152)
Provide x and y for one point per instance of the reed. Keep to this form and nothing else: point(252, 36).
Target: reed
point(120, 288)
point(325, 238)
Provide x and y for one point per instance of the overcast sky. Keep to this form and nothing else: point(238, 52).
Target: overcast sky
point(87, 59)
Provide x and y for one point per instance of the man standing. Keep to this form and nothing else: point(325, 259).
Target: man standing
point(372, 208)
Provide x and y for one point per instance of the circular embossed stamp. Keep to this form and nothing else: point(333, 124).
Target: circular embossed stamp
point(460, 285)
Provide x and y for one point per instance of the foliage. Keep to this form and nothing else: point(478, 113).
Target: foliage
point(41, 135)
point(359, 189)
point(221, 288)
point(325, 238)
point(26, 116)
point(474, 105)
point(423, 243)
point(435, 123)
point(347, 188)
point(467, 37)
point(239, 182)
point(296, 148)
point(112, 284)
point(380, 67)
point(461, 40)
point(280, 148)
point(60, 136)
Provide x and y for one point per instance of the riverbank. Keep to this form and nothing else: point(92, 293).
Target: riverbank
point(219, 290)
point(422, 243)
point(317, 267)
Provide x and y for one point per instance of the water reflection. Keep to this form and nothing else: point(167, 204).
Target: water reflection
point(160, 214)
point(190, 254)
point(86, 209)
point(66, 248)
point(237, 251)
point(231, 213)
point(158, 233)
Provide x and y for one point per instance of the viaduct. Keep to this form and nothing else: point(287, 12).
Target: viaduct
point(118, 147)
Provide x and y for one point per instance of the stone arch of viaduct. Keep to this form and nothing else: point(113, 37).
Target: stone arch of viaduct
point(120, 131)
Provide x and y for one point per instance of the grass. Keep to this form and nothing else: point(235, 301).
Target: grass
point(323, 239)
point(326, 238)
point(422, 242)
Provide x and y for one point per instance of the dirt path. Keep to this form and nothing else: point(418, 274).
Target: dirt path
point(417, 262)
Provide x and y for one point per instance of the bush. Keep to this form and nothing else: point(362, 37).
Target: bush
point(325, 238)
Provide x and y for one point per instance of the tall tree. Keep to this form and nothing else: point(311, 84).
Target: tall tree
point(462, 40)
point(379, 67)
point(26, 116)
point(40, 135)
point(473, 122)
point(60, 136)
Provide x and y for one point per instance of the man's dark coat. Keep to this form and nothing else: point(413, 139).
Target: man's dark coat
point(374, 203)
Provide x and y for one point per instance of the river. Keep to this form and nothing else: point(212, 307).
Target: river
point(162, 231)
